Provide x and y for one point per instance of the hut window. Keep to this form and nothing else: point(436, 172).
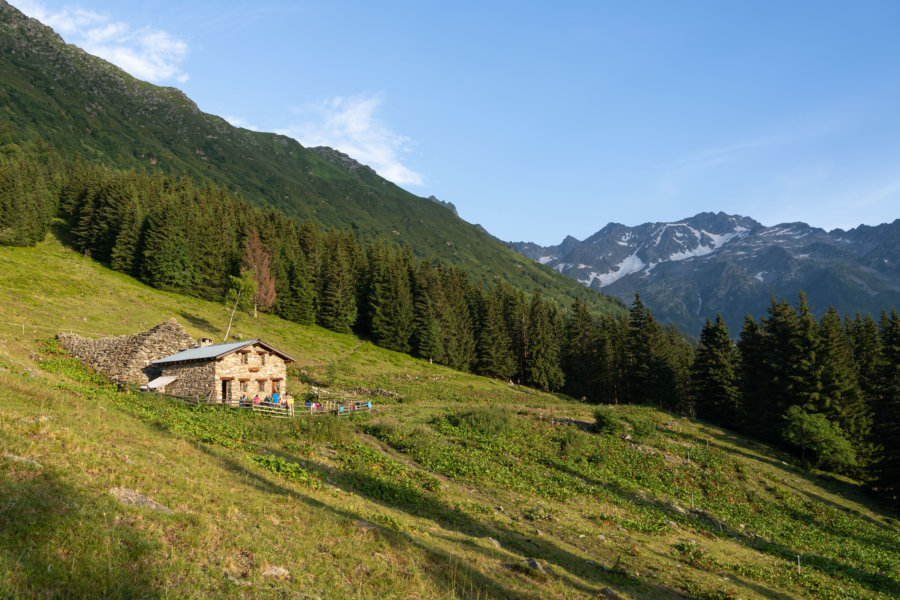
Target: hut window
point(262, 358)
point(243, 386)
point(243, 359)
point(262, 385)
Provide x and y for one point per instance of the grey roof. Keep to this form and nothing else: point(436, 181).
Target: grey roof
point(216, 350)
point(159, 382)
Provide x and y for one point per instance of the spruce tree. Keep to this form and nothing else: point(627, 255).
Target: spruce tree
point(841, 399)
point(648, 377)
point(336, 305)
point(714, 376)
point(391, 304)
point(806, 367)
point(887, 411)
point(778, 376)
point(543, 362)
point(426, 324)
point(495, 353)
point(580, 356)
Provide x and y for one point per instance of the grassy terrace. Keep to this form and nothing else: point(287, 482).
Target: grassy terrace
point(443, 493)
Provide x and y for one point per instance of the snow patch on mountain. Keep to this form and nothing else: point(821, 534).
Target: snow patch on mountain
point(631, 264)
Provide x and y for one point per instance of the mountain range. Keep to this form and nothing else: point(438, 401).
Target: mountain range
point(717, 263)
point(685, 271)
point(79, 103)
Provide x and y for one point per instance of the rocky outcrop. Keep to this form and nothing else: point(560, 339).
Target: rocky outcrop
point(128, 357)
point(339, 158)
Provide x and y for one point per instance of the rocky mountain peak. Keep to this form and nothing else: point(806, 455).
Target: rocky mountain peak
point(715, 262)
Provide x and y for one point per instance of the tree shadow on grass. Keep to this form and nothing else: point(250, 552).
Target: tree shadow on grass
point(705, 521)
point(567, 566)
point(455, 575)
point(833, 485)
point(58, 542)
point(199, 322)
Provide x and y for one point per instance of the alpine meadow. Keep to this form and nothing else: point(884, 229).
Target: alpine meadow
point(524, 436)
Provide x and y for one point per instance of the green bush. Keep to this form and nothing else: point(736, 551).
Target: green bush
point(824, 439)
point(605, 420)
point(642, 427)
point(486, 420)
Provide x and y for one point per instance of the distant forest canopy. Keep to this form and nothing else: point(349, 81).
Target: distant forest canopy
point(826, 389)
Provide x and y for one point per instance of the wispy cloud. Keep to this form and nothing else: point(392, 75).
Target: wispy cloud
point(351, 125)
point(723, 154)
point(144, 52)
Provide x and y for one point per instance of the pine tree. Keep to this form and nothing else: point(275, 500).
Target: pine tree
point(426, 324)
point(648, 378)
point(495, 353)
point(887, 411)
point(714, 376)
point(300, 306)
point(456, 320)
point(166, 262)
point(543, 362)
point(515, 315)
point(866, 346)
point(756, 406)
point(806, 367)
point(841, 399)
point(580, 356)
point(777, 375)
point(611, 359)
point(336, 305)
point(391, 303)
point(124, 255)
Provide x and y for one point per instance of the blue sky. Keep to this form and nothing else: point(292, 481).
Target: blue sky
point(540, 120)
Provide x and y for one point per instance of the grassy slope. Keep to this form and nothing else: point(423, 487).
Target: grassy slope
point(399, 504)
point(83, 104)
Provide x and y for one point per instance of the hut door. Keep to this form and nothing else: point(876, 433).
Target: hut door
point(226, 391)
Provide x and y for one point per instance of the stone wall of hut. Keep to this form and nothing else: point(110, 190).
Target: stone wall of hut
point(246, 372)
point(194, 379)
point(129, 357)
point(252, 371)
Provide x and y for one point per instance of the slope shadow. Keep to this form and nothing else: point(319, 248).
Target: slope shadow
point(835, 486)
point(461, 579)
point(564, 564)
point(199, 322)
point(705, 521)
point(53, 544)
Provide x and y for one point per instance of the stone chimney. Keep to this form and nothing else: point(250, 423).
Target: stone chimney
point(204, 342)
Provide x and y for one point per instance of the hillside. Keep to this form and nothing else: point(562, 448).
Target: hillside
point(85, 105)
point(445, 492)
point(711, 263)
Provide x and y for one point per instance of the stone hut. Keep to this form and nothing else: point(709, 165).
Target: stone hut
point(128, 357)
point(223, 372)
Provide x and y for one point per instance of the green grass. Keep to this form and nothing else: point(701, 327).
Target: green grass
point(442, 493)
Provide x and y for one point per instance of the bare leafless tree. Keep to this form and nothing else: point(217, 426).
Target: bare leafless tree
point(257, 259)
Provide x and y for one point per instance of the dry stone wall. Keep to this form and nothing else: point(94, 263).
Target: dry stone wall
point(128, 357)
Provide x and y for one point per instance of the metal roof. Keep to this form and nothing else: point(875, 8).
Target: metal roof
point(159, 382)
point(206, 352)
point(216, 350)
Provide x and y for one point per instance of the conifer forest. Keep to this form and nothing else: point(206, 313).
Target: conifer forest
point(826, 388)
